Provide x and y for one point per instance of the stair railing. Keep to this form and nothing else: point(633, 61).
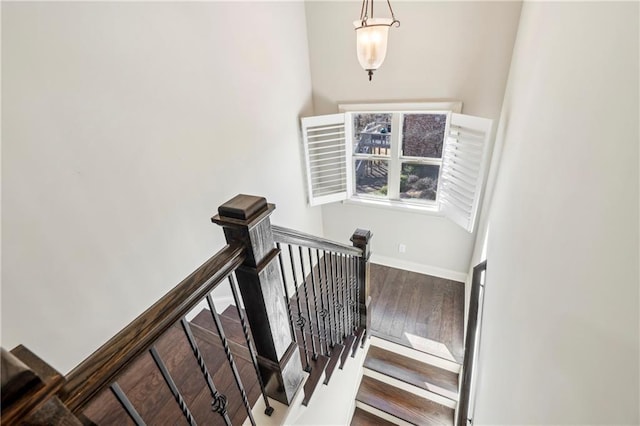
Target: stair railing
point(326, 288)
point(102, 369)
point(334, 279)
point(470, 349)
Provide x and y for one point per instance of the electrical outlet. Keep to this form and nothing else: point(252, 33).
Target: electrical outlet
point(402, 248)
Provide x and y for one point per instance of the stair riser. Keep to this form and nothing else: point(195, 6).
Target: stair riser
point(417, 355)
point(410, 388)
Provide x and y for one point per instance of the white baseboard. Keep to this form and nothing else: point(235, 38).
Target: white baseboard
point(419, 268)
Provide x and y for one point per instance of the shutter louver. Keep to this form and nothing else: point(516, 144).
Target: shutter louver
point(463, 168)
point(324, 140)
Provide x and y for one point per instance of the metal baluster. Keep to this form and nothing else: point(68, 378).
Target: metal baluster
point(286, 294)
point(306, 300)
point(172, 386)
point(358, 293)
point(232, 363)
point(252, 352)
point(323, 310)
point(301, 319)
point(330, 312)
point(315, 297)
point(345, 302)
point(333, 300)
point(347, 292)
point(126, 404)
point(336, 295)
point(354, 286)
point(219, 400)
point(339, 293)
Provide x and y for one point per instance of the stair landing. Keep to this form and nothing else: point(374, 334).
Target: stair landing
point(422, 312)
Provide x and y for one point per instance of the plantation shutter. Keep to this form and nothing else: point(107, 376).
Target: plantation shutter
point(324, 140)
point(464, 162)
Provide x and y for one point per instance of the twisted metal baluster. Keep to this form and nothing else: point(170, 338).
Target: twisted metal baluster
point(172, 386)
point(354, 286)
point(335, 296)
point(345, 302)
point(286, 295)
point(306, 299)
point(205, 371)
point(126, 404)
point(359, 319)
point(330, 311)
point(301, 320)
point(323, 311)
point(315, 297)
point(347, 287)
point(252, 352)
point(232, 363)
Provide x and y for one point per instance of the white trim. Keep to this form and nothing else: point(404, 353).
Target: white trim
point(422, 393)
point(397, 205)
point(419, 268)
point(416, 355)
point(379, 413)
point(455, 106)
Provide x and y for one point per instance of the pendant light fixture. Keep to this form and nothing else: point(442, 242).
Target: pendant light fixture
point(371, 37)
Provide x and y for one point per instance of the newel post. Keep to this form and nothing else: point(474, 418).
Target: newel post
point(245, 220)
point(360, 239)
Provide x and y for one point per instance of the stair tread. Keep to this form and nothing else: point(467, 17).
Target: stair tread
point(348, 341)
point(317, 369)
point(402, 404)
point(365, 418)
point(233, 332)
point(333, 361)
point(356, 344)
point(416, 373)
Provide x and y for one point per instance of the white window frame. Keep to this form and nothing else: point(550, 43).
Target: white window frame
point(396, 159)
point(328, 149)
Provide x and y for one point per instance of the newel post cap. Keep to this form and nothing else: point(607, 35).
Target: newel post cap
point(361, 237)
point(243, 210)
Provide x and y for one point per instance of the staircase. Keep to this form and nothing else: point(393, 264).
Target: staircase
point(169, 367)
point(322, 367)
point(403, 386)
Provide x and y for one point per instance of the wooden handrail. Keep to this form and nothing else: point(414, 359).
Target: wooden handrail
point(473, 322)
point(291, 236)
point(102, 367)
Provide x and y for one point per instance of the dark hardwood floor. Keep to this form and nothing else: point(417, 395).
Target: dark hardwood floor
point(419, 311)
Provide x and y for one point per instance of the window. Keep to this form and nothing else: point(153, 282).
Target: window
point(419, 156)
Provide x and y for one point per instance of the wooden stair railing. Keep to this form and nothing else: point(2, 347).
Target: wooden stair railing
point(473, 323)
point(326, 287)
point(334, 281)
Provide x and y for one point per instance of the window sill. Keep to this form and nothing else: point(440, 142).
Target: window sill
point(394, 205)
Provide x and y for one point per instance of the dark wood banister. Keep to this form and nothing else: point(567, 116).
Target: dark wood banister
point(251, 254)
point(102, 367)
point(291, 236)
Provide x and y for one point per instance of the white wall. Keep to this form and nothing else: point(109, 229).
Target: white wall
point(560, 338)
point(454, 50)
point(125, 125)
